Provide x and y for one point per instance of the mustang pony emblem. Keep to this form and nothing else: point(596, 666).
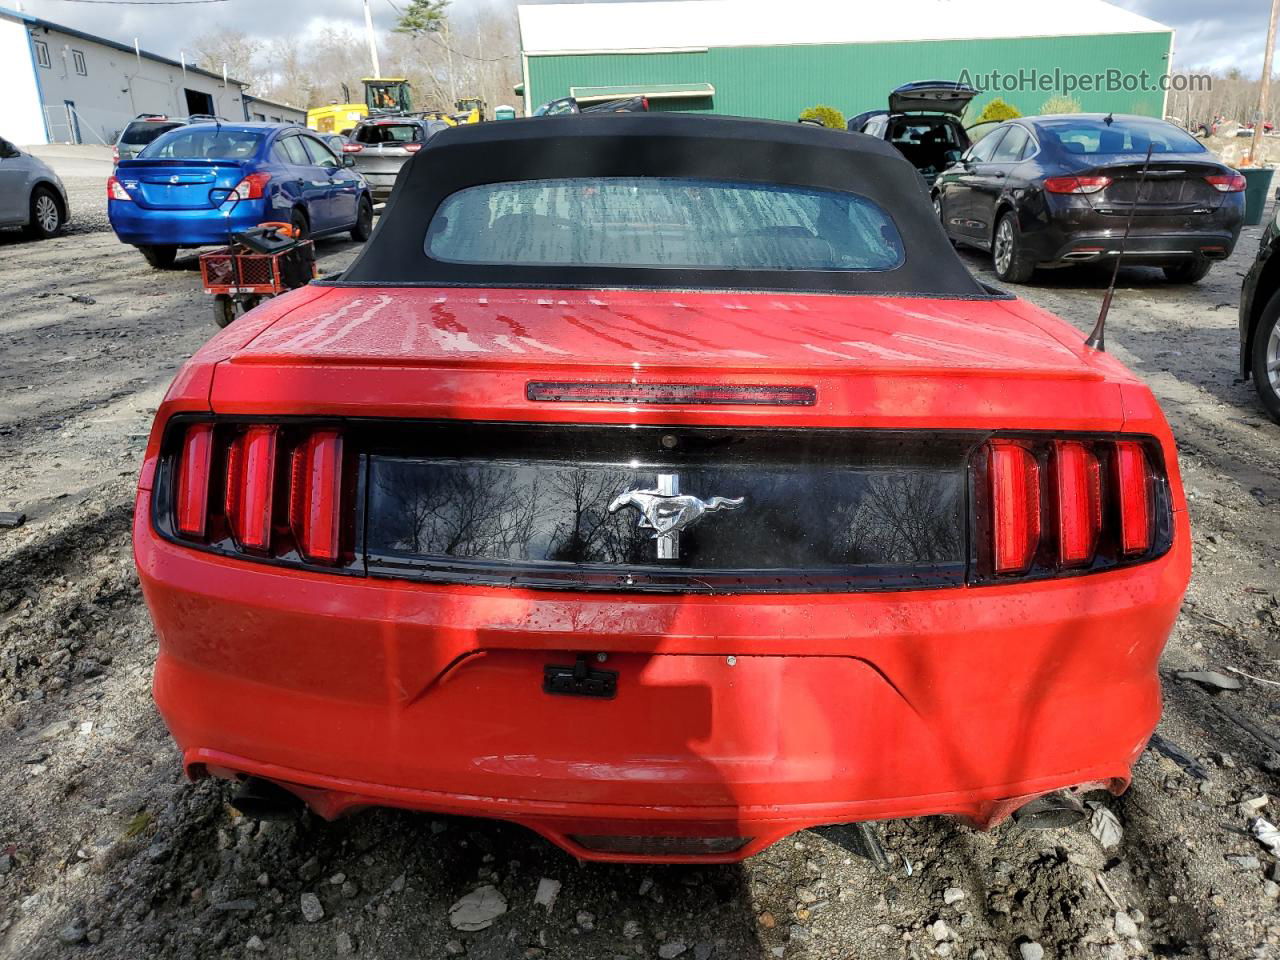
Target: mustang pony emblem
point(669, 513)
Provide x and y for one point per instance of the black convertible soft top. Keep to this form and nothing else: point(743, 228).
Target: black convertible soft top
point(659, 145)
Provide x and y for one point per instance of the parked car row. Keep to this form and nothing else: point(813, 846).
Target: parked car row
point(1053, 191)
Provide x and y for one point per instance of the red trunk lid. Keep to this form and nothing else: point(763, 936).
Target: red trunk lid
point(875, 361)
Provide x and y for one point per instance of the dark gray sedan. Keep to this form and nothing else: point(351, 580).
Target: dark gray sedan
point(1051, 191)
point(381, 147)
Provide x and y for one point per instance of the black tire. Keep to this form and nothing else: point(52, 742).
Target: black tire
point(1017, 267)
point(1266, 351)
point(1188, 271)
point(224, 309)
point(301, 225)
point(364, 221)
point(161, 257)
point(47, 216)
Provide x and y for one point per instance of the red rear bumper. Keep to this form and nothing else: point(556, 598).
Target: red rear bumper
point(737, 716)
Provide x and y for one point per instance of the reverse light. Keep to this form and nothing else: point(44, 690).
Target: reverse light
point(1077, 488)
point(251, 475)
point(252, 187)
point(192, 487)
point(1076, 184)
point(669, 393)
point(1014, 475)
point(315, 496)
point(1228, 182)
point(116, 191)
point(1133, 493)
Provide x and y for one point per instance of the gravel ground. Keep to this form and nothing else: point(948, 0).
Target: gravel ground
point(106, 852)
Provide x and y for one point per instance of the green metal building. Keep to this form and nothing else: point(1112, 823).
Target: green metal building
point(756, 59)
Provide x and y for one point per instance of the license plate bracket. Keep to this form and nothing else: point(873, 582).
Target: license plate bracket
point(579, 680)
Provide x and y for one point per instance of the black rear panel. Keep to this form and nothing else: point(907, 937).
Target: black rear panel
point(1170, 187)
point(582, 507)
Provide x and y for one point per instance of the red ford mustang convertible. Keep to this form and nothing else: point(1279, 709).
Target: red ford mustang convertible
point(664, 484)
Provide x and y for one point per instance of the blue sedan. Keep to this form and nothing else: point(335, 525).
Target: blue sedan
point(198, 184)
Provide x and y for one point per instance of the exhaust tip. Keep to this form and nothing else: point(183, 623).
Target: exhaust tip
point(1050, 812)
point(263, 800)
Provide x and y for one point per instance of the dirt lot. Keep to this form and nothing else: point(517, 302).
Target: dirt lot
point(106, 852)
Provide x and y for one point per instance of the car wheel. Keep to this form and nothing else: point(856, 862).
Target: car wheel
point(364, 221)
point(301, 225)
point(46, 214)
point(1007, 253)
point(1266, 358)
point(1189, 271)
point(161, 257)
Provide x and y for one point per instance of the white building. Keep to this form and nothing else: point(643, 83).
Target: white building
point(60, 85)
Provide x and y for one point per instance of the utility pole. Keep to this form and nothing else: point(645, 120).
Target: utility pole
point(1256, 149)
point(373, 42)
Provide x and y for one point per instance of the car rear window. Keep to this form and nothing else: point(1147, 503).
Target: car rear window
point(388, 133)
point(141, 132)
point(1128, 136)
point(663, 222)
point(203, 144)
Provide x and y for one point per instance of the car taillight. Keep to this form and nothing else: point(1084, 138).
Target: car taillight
point(315, 495)
point(252, 187)
point(1133, 491)
point(352, 147)
point(115, 191)
point(1015, 507)
point(192, 500)
point(412, 147)
point(1046, 507)
point(1076, 184)
point(1077, 492)
point(115, 153)
point(251, 476)
point(260, 489)
point(1228, 182)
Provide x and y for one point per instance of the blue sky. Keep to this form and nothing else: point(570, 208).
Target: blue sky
point(1220, 35)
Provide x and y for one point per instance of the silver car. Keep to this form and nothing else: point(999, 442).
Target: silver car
point(382, 146)
point(31, 194)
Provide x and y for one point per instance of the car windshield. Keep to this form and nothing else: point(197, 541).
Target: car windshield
point(141, 132)
point(388, 133)
point(204, 143)
point(663, 222)
point(1126, 136)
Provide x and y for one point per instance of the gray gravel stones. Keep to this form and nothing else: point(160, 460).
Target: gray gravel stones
point(1125, 927)
point(73, 932)
point(669, 951)
point(478, 909)
point(312, 911)
point(1030, 950)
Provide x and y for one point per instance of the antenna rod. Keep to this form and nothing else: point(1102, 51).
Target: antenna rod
point(1097, 338)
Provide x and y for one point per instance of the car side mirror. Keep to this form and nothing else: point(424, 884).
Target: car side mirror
point(348, 160)
point(952, 156)
point(7, 149)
